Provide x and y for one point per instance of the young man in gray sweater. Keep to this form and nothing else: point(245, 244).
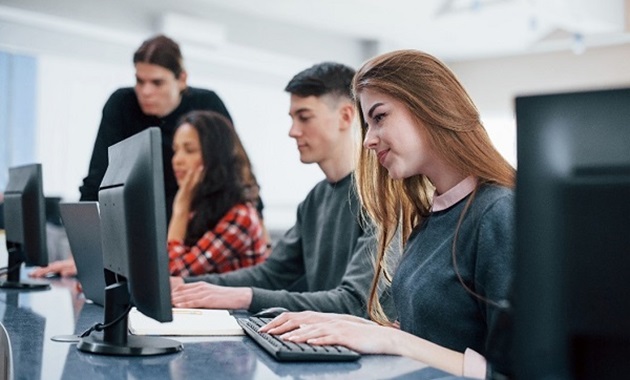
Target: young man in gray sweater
point(325, 261)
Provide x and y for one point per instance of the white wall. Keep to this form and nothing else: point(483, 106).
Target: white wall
point(494, 83)
point(71, 94)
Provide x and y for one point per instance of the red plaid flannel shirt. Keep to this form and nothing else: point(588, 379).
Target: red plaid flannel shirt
point(237, 241)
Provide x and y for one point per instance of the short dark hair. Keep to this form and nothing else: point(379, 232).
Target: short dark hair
point(322, 79)
point(162, 51)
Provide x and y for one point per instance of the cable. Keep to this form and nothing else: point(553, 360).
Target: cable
point(11, 250)
point(101, 326)
point(7, 270)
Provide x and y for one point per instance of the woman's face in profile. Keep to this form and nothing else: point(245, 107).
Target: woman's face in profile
point(158, 91)
point(187, 155)
point(399, 143)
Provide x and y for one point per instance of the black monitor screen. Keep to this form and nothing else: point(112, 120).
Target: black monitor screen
point(572, 301)
point(133, 233)
point(25, 224)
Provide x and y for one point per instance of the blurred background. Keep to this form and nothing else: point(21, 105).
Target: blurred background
point(60, 60)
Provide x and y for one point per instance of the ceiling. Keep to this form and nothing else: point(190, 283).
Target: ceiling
point(451, 29)
point(454, 30)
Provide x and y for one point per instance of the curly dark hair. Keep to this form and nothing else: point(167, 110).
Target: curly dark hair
point(225, 181)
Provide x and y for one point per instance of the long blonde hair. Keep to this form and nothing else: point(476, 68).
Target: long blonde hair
point(437, 100)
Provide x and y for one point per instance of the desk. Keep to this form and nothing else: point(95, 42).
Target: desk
point(32, 318)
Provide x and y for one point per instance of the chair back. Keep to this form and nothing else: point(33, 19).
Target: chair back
point(6, 357)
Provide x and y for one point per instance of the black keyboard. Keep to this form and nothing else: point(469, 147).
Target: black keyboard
point(288, 351)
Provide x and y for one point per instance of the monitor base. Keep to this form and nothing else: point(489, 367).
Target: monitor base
point(135, 346)
point(23, 285)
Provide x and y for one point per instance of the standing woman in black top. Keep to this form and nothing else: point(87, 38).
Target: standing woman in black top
point(159, 98)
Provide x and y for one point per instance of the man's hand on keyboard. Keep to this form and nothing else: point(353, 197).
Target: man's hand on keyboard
point(208, 296)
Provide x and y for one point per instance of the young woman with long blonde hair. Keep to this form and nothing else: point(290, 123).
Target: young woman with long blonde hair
point(430, 178)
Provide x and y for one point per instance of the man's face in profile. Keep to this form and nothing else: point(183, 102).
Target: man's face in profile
point(315, 126)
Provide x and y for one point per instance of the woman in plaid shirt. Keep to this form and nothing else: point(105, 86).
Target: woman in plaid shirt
point(215, 226)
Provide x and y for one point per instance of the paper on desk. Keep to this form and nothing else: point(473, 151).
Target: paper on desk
point(186, 322)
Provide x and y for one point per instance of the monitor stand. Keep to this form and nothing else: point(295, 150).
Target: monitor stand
point(116, 340)
point(13, 273)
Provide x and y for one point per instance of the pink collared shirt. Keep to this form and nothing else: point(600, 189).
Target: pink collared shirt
point(454, 194)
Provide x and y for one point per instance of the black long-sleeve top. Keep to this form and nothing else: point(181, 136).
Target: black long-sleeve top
point(123, 117)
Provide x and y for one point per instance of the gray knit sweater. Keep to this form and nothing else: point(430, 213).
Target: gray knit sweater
point(323, 263)
point(430, 301)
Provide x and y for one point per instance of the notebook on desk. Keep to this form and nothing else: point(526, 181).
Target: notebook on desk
point(186, 322)
point(83, 227)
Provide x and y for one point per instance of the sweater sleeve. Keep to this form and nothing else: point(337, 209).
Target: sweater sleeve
point(494, 269)
point(271, 279)
point(350, 297)
point(275, 282)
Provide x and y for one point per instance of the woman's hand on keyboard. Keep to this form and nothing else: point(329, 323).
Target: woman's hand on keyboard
point(364, 337)
point(290, 321)
point(371, 338)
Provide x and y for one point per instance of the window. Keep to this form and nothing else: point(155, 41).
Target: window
point(18, 78)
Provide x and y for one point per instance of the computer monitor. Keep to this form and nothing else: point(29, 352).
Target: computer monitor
point(25, 225)
point(133, 235)
point(572, 291)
